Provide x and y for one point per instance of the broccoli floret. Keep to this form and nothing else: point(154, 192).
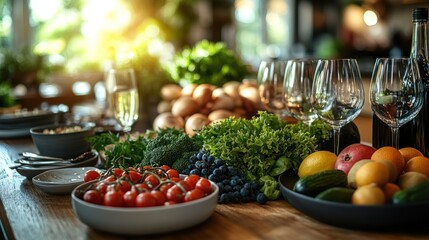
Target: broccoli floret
point(164, 137)
point(168, 154)
point(182, 163)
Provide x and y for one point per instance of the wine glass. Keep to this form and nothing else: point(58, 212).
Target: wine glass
point(123, 97)
point(270, 83)
point(297, 87)
point(338, 93)
point(396, 92)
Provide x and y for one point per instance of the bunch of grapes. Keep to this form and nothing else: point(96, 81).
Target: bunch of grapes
point(233, 187)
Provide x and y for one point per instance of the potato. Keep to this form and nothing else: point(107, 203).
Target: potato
point(170, 92)
point(223, 102)
point(220, 115)
point(217, 93)
point(251, 93)
point(168, 120)
point(164, 106)
point(195, 123)
point(203, 94)
point(231, 88)
point(185, 106)
point(188, 90)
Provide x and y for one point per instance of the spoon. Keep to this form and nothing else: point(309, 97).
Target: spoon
point(56, 161)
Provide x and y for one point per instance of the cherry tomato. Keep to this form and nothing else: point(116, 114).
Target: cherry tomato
point(130, 198)
point(142, 187)
point(133, 176)
point(165, 186)
point(93, 196)
point(159, 197)
point(185, 185)
point(152, 181)
point(192, 180)
point(110, 179)
point(194, 195)
point(91, 175)
point(124, 186)
point(114, 199)
point(169, 203)
point(175, 194)
point(175, 179)
point(145, 199)
point(117, 172)
point(101, 187)
point(165, 167)
point(204, 185)
point(173, 173)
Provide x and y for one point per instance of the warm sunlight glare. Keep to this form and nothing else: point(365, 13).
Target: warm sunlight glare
point(370, 18)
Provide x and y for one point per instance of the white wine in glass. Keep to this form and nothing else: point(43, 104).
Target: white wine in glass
point(124, 97)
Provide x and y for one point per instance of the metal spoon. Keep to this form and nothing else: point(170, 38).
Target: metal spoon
point(35, 162)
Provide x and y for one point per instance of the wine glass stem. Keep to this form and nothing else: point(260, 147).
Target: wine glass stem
point(395, 137)
point(337, 131)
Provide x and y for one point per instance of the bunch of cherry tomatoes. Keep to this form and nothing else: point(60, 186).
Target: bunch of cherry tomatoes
point(143, 187)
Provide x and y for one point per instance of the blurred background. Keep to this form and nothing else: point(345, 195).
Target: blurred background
point(56, 51)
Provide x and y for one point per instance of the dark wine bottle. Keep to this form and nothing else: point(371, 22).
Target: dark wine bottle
point(412, 134)
point(419, 51)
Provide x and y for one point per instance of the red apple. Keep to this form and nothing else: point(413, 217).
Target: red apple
point(352, 154)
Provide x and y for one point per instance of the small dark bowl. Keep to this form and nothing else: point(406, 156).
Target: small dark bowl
point(63, 145)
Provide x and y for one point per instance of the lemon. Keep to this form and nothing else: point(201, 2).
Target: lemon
point(316, 162)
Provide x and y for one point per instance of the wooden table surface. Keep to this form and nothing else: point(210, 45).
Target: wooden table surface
point(28, 213)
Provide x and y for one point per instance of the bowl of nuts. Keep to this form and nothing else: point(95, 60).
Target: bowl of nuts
point(63, 140)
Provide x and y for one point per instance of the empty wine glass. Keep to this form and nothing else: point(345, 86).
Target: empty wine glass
point(396, 92)
point(297, 89)
point(123, 97)
point(270, 82)
point(338, 93)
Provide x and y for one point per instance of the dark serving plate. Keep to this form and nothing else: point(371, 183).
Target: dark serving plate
point(380, 217)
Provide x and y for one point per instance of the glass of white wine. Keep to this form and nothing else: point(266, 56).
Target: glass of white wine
point(123, 97)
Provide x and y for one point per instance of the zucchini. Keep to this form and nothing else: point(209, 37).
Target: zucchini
point(336, 194)
point(418, 193)
point(314, 184)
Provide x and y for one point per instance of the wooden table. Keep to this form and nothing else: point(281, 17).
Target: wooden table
point(28, 213)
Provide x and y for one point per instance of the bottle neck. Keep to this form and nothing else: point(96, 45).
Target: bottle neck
point(419, 46)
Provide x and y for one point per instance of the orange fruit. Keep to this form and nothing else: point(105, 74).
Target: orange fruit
point(369, 194)
point(351, 176)
point(372, 173)
point(418, 164)
point(409, 152)
point(389, 189)
point(391, 154)
point(316, 162)
point(393, 172)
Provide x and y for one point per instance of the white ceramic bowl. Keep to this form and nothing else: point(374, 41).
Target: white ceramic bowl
point(143, 221)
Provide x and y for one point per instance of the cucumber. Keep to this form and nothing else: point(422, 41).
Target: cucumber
point(319, 182)
point(336, 194)
point(418, 193)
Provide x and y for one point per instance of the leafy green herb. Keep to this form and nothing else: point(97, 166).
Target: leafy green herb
point(207, 62)
point(262, 146)
point(120, 152)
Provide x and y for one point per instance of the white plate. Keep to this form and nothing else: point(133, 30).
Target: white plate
point(60, 181)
